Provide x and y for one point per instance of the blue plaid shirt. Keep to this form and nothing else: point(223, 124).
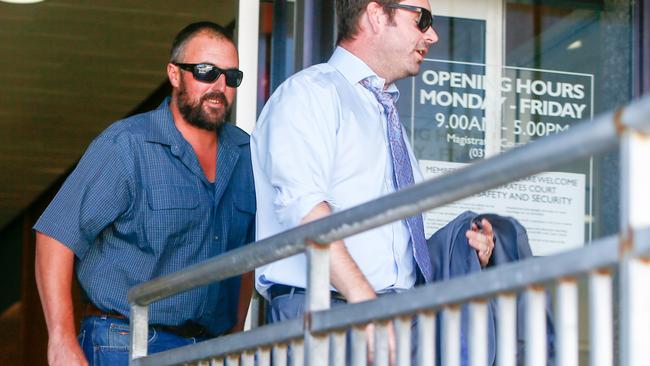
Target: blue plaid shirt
point(138, 206)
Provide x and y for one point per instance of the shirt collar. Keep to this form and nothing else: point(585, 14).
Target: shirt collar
point(162, 129)
point(354, 70)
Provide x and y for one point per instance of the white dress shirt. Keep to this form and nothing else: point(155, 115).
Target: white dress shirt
point(322, 137)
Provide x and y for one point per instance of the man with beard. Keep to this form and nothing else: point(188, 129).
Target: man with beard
point(152, 195)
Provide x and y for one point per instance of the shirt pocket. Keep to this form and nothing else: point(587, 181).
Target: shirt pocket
point(245, 202)
point(173, 215)
point(171, 197)
point(243, 216)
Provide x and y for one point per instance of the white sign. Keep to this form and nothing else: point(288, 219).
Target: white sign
point(463, 111)
point(550, 205)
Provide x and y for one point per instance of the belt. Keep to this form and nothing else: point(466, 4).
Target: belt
point(279, 290)
point(187, 330)
point(91, 310)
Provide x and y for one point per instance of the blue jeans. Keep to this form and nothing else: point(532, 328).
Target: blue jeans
point(106, 340)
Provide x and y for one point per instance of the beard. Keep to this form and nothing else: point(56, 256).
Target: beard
point(194, 113)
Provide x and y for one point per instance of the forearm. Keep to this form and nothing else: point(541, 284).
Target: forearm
point(245, 293)
point(54, 266)
point(345, 275)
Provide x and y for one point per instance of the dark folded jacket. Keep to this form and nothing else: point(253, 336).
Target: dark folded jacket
point(451, 256)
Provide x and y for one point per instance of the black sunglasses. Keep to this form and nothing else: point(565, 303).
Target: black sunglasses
point(425, 20)
point(208, 73)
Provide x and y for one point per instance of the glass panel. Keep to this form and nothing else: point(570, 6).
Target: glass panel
point(507, 73)
point(276, 47)
point(590, 38)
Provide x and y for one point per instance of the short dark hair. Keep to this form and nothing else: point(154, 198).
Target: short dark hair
point(348, 13)
point(179, 42)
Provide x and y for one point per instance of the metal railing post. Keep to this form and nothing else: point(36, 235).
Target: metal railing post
point(279, 355)
point(382, 355)
point(338, 348)
point(536, 326)
point(426, 338)
point(507, 330)
point(359, 346)
point(403, 335)
point(264, 356)
point(634, 270)
point(318, 298)
point(451, 336)
point(139, 326)
point(297, 349)
point(566, 327)
point(248, 358)
point(635, 304)
point(478, 333)
point(600, 314)
point(232, 360)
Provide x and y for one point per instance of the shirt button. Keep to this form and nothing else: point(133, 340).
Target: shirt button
point(216, 237)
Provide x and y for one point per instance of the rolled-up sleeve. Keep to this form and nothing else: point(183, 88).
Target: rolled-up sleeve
point(96, 192)
point(295, 144)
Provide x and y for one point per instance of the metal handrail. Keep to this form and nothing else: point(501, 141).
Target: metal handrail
point(509, 277)
point(580, 141)
point(601, 254)
point(233, 343)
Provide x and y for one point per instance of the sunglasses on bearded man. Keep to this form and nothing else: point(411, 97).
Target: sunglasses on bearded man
point(425, 20)
point(208, 73)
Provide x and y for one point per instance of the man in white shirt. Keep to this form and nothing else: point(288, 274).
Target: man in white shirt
point(321, 146)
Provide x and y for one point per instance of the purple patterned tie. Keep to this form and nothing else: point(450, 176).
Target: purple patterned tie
point(403, 174)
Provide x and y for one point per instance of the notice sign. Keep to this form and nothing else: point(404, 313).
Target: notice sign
point(453, 106)
point(551, 206)
point(463, 111)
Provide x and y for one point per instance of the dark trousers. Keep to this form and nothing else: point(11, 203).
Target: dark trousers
point(292, 305)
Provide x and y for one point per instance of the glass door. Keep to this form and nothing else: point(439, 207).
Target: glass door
point(506, 73)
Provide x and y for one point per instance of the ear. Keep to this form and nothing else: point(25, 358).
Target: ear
point(173, 73)
point(375, 16)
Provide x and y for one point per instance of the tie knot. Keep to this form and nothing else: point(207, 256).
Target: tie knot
point(386, 99)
